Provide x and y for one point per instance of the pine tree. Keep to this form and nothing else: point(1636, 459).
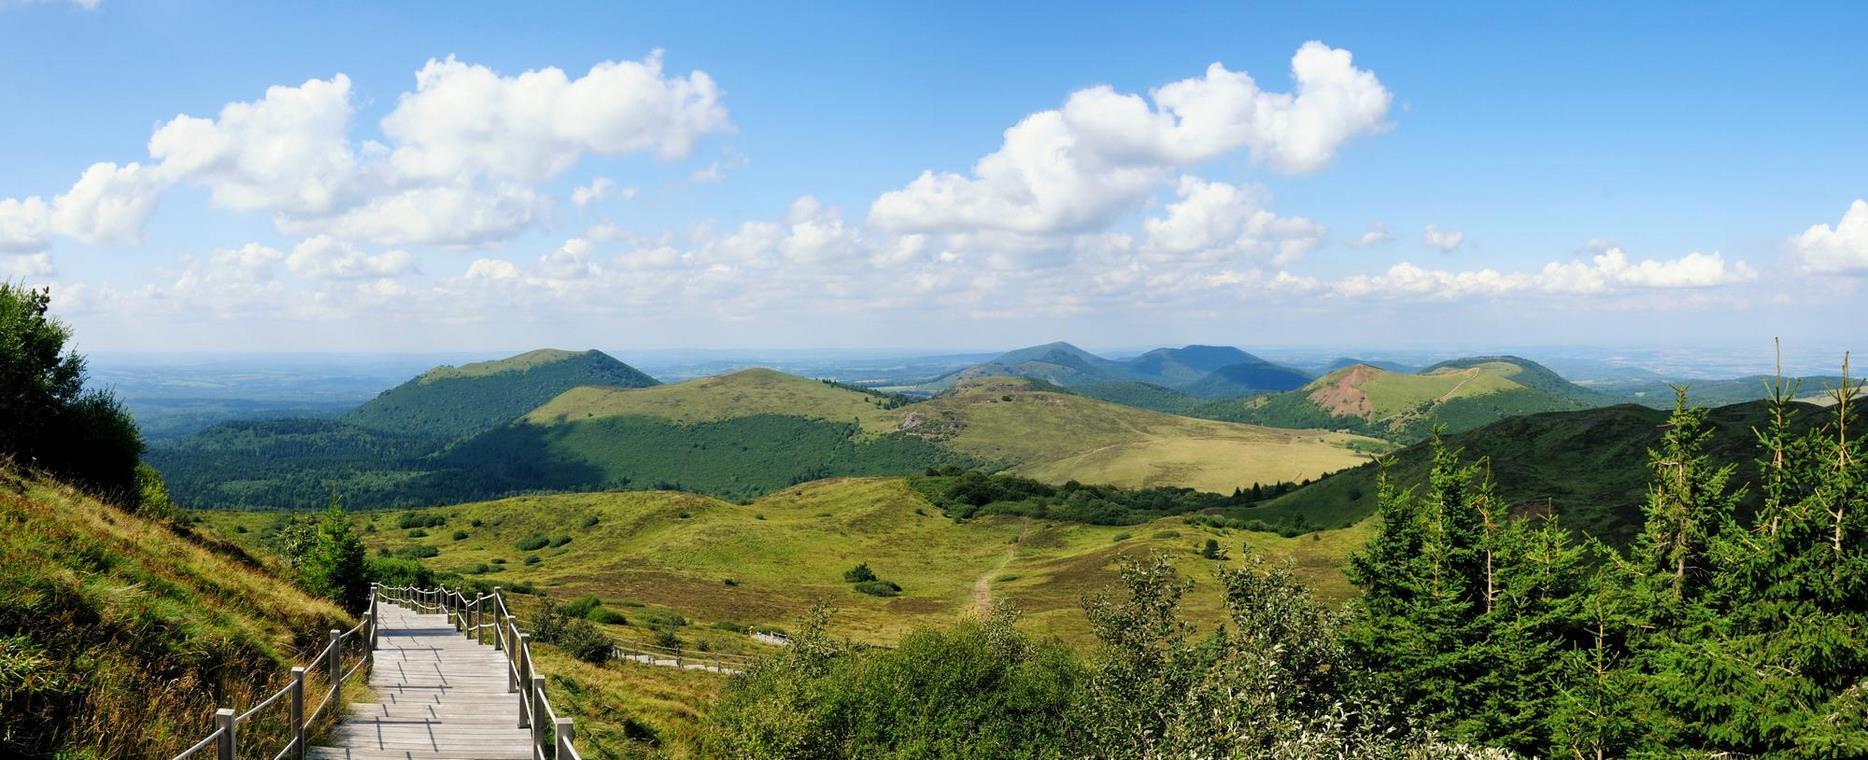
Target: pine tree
point(335, 566)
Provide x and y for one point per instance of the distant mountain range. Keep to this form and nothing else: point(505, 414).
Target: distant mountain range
point(1209, 372)
point(561, 421)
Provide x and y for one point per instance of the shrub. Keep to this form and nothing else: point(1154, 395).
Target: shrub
point(629, 603)
point(1007, 578)
point(474, 523)
point(1119, 538)
point(667, 639)
point(460, 535)
point(416, 520)
point(532, 542)
point(418, 552)
point(879, 588)
point(608, 616)
point(480, 569)
point(400, 571)
point(859, 574)
point(659, 618)
point(532, 559)
point(418, 533)
point(729, 626)
point(499, 560)
point(729, 582)
point(1211, 550)
point(582, 606)
point(1167, 534)
point(560, 541)
point(581, 639)
point(239, 528)
point(590, 522)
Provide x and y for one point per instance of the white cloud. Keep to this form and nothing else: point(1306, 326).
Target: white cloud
point(1839, 249)
point(585, 195)
point(1446, 241)
point(570, 261)
point(325, 258)
point(1376, 235)
point(1214, 220)
point(249, 264)
point(287, 152)
point(1069, 169)
point(108, 204)
point(25, 223)
point(1606, 272)
point(27, 265)
point(492, 269)
point(467, 119)
point(445, 215)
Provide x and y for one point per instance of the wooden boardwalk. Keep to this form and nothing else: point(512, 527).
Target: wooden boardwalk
point(438, 695)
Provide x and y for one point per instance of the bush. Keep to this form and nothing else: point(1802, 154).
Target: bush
point(498, 560)
point(608, 616)
point(1167, 534)
point(418, 552)
point(582, 606)
point(590, 522)
point(1211, 550)
point(667, 639)
point(400, 571)
point(532, 559)
point(729, 582)
point(474, 523)
point(659, 618)
point(729, 626)
point(460, 535)
point(532, 542)
point(1119, 538)
point(629, 603)
point(418, 533)
point(580, 638)
point(416, 520)
point(859, 574)
point(879, 588)
point(560, 541)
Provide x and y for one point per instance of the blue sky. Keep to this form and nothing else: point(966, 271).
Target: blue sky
point(1596, 175)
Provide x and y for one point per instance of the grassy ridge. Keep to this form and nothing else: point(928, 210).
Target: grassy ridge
point(120, 635)
point(711, 399)
point(451, 402)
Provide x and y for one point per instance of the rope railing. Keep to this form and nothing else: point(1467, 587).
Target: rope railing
point(225, 738)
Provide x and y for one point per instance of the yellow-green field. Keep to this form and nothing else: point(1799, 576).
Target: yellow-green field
point(787, 550)
point(707, 399)
point(1059, 436)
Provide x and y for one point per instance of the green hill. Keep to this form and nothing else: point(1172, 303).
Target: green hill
point(120, 635)
point(1058, 436)
point(1736, 390)
point(1590, 467)
point(1459, 395)
point(1211, 372)
point(453, 402)
point(1245, 379)
point(1141, 395)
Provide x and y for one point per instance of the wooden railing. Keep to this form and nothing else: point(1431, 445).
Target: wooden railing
point(470, 616)
point(225, 738)
point(684, 659)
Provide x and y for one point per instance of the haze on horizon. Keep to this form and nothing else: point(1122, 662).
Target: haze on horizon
point(384, 180)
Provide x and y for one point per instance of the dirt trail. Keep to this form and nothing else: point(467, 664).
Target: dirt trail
point(982, 588)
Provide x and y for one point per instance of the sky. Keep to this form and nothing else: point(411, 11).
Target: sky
point(264, 177)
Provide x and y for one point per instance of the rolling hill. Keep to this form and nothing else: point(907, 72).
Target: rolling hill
point(454, 402)
point(1460, 395)
point(1057, 436)
point(1589, 467)
point(674, 553)
point(1211, 372)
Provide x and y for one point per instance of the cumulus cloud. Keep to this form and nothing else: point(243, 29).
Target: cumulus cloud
point(584, 195)
point(27, 265)
point(326, 258)
point(25, 223)
point(1213, 220)
point(288, 152)
point(108, 204)
point(250, 263)
point(1069, 169)
point(465, 119)
point(1376, 234)
point(1446, 241)
point(442, 215)
point(1842, 249)
point(1605, 272)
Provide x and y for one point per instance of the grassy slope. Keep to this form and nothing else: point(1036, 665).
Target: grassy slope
point(642, 549)
point(1406, 407)
point(119, 632)
point(710, 399)
point(1589, 466)
point(451, 402)
point(1058, 437)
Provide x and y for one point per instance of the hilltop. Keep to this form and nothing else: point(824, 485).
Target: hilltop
point(453, 402)
point(1589, 467)
point(121, 634)
point(1052, 435)
point(1200, 371)
point(1460, 395)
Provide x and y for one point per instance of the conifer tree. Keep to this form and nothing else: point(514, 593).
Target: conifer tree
point(335, 566)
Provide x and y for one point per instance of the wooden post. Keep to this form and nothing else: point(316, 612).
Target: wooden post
point(224, 720)
point(538, 711)
point(479, 616)
point(521, 662)
point(375, 620)
point(564, 733)
point(337, 665)
point(298, 713)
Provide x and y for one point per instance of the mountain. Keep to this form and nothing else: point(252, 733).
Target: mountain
point(122, 633)
point(1346, 362)
point(1590, 467)
point(1659, 393)
point(1056, 436)
point(1212, 372)
point(1244, 379)
point(382, 452)
point(1461, 394)
point(451, 402)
